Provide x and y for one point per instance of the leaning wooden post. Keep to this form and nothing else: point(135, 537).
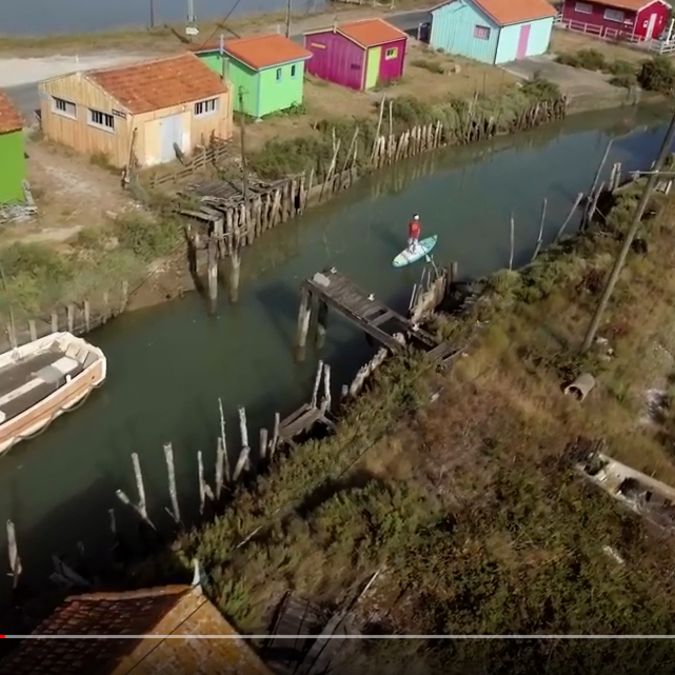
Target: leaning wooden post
point(540, 237)
point(275, 435)
point(141, 507)
point(317, 383)
point(204, 489)
point(321, 324)
point(263, 444)
point(242, 460)
point(304, 315)
point(223, 442)
point(577, 201)
point(513, 241)
point(13, 552)
point(212, 272)
point(173, 493)
point(235, 274)
point(325, 405)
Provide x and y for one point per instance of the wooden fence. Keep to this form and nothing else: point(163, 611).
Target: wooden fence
point(76, 318)
point(199, 161)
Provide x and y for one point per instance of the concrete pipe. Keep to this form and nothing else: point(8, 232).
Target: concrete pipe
point(581, 387)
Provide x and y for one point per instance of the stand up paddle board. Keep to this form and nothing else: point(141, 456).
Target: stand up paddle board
point(422, 250)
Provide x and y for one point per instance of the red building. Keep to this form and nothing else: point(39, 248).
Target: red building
point(617, 19)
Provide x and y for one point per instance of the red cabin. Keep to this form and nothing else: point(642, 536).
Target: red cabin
point(617, 19)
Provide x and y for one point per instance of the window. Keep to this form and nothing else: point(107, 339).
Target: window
point(317, 45)
point(481, 32)
point(613, 15)
point(206, 107)
point(62, 107)
point(278, 74)
point(391, 54)
point(101, 120)
point(583, 8)
point(293, 70)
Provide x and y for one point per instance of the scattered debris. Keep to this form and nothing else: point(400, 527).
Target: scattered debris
point(581, 386)
point(13, 212)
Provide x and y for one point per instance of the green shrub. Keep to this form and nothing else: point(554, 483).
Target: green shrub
point(591, 59)
point(568, 60)
point(428, 64)
point(657, 74)
point(627, 81)
point(146, 237)
point(621, 67)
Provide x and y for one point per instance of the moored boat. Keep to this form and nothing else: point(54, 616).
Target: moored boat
point(43, 379)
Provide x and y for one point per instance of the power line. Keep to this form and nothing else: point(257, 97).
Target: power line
point(220, 26)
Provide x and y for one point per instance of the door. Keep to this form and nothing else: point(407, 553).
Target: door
point(373, 66)
point(650, 27)
point(521, 51)
point(170, 132)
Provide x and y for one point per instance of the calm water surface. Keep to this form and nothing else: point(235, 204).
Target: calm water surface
point(169, 365)
point(43, 17)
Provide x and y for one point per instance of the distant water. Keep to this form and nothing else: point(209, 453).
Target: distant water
point(43, 17)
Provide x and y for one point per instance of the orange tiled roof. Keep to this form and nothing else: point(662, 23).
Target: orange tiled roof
point(505, 12)
point(263, 51)
point(10, 117)
point(370, 32)
point(161, 83)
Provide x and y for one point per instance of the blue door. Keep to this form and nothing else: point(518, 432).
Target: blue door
point(171, 131)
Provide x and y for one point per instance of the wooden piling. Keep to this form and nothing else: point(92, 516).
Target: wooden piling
point(326, 403)
point(106, 307)
point(235, 275)
point(141, 506)
point(70, 318)
point(321, 324)
point(13, 552)
point(32, 329)
point(243, 459)
point(212, 272)
point(540, 237)
point(275, 435)
point(55, 322)
point(263, 444)
point(125, 296)
point(577, 201)
point(317, 384)
point(513, 241)
point(223, 443)
point(86, 310)
point(304, 316)
point(171, 473)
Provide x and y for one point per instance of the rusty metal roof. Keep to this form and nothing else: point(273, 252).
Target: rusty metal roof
point(10, 117)
point(161, 83)
point(171, 610)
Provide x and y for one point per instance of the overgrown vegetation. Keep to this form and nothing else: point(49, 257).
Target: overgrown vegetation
point(281, 157)
point(41, 278)
point(469, 504)
point(656, 74)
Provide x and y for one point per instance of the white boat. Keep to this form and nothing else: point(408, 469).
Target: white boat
point(43, 379)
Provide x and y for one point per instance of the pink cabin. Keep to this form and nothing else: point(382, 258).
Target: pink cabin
point(616, 19)
point(357, 54)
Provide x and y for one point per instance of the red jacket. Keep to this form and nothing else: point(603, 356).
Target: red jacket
point(414, 229)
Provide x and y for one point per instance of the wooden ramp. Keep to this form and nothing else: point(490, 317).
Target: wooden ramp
point(376, 319)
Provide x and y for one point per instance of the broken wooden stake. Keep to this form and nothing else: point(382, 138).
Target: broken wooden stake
point(173, 493)
point(243, 459)
point(13, 552)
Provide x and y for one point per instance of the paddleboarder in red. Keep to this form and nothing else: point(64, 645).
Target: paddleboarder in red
point(414, 231)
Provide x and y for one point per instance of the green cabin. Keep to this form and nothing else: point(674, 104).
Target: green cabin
point(266, 72)
point(12, 153)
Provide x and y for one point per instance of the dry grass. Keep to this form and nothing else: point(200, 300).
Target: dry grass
point(468, 503)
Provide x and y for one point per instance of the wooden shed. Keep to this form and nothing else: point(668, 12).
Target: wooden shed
point(266, 71)
point(492, 31)
point(357, 54)
point(12, 154)
point(145, 110)
point(162, 628)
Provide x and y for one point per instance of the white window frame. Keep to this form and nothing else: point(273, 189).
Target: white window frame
point(583, 8)
point(64, 108)
point(294, 70)
point(619, 16)
point(106, 123)
point(209, 106)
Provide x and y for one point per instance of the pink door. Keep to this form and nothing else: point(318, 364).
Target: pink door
point(524, 36)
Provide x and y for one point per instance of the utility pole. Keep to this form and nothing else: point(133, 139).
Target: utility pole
point(152, 14)
point(191, 29)
point(288, 18)
point(630, 235)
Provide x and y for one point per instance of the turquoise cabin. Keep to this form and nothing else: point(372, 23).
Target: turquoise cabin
point(492, 31)
point(266, 72)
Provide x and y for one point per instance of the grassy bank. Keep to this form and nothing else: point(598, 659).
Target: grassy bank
point(468, 503)
point(42, 278)
point(279, 157)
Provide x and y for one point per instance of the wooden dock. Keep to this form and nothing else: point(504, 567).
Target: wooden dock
point(333, 289)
